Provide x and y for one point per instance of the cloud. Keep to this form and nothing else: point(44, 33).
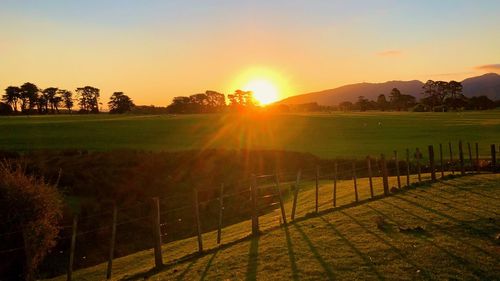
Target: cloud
point(489, 67)
point(390, 53)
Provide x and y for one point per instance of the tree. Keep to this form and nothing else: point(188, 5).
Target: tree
point(382, 103)
point(120, 103)
point(346, 106)
point(5, 109)
point(33, 208)
point(431, 98)
point(455, 99)
point(362, 103)
point(216, 102)
point(66, 98)
point(179, 105)
point(12, 96)
point(88, 99)
point(242, 100)
point(28, 96)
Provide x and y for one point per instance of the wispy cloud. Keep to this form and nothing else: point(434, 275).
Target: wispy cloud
point(489, 67)
point(390, 53)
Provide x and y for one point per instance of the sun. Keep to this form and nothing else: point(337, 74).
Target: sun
point(264, 91)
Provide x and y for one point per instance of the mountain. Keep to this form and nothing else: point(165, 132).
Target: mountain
point(484, 85)
point(488, 84)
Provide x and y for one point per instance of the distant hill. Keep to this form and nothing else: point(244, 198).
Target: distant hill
point(488, 84)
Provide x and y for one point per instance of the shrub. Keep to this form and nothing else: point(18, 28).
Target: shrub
point(33, 208)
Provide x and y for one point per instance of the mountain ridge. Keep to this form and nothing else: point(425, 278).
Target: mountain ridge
point(487, 84)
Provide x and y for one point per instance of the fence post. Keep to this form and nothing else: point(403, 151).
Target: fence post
point(295, 194)
point(112, 242)
point(477, 158)
point(397, 168)
point(335, 175)
point(431, 163)
point(72, 249)
point(441, 159)
point(221, 210)
point(196, 203)
point(470, 156)
point(369, 164)
point(418, 155)
point(461, 157)
point(255, 215)
point(493, 158)
point(354, 180)
point(385, 176)
point(282, 205)
point(451, 160)
point(155, 219)
point(317, 189)
point(407, 167)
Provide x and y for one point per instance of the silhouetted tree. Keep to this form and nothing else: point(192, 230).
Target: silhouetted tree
point(346, 106)
point(5, 109)
point(12, 96)
point(216, 102)
point(28, 96)
point(363, 103)
point(88, 99)
point(382, 102)
point(242, 100)
point(480, 103)
point(120, 103)
point(50, 98)
point(66, 98)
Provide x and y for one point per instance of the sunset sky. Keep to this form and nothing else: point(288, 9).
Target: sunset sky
point(155, 50)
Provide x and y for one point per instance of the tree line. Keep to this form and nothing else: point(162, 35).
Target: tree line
point(437, 96)
point(31, 99)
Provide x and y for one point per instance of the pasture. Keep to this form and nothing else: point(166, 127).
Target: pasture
point(432, 232)
point(332, 135)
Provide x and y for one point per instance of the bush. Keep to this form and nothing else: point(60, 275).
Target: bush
point(419, 108)
point(33, 208)
point(5, 109)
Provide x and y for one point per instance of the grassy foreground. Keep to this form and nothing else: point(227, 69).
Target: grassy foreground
point(325, 135)
point(445, 231)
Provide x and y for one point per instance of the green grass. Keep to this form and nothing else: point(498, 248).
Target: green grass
point(459, 218)
point(325, 135)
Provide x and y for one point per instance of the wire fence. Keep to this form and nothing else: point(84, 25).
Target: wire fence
point(266, 200)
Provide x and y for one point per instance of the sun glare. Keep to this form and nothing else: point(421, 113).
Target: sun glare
point(264, 91)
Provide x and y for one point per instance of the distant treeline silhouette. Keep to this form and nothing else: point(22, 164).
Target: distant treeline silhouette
point(30, 99)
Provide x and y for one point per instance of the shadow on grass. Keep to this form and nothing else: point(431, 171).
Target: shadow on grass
point(207, 267)
point(460, 187)
point(424, 271)
point(326, 267)
point(253, 256)
point(291, 255)
point(462, 261)
point(186, 270)
point(356, 250)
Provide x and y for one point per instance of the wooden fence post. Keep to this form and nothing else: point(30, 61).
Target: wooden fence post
point(397, 168)
point(470, 156)
point(407, 167)
point(385, 176)
point(461, 157)
point(493, 158)
point(221, 212)
point(431, 163)
point(477, 158)
point(155, 219)
point(369, 164)
point(282, 205)
point(441, 159)
point(317, 189)
point(451, 160)
point(255, 214)
point(354, 181)
point(335, 175)
point(418, 155)
point(72, 249)
point(295, 194)
point(112, 242)
point(196, 203)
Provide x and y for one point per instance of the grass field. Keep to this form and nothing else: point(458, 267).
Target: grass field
point(325, 135)
point(377, 240)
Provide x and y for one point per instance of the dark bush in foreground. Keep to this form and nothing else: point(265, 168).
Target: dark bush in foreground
point(29, 213)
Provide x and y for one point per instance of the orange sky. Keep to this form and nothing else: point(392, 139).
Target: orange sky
point(159, 50)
